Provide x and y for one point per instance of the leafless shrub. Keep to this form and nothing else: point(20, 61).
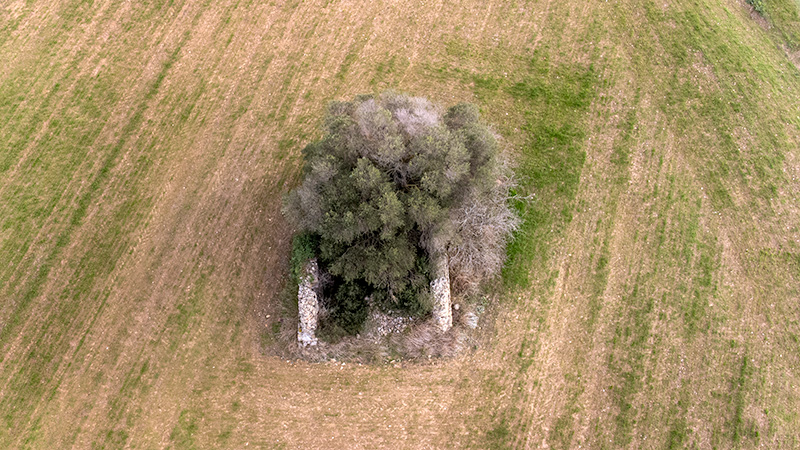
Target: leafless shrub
point(421, 116)
point(424, 340)
point(483, 223)
point(306, 200)
point(386, 147)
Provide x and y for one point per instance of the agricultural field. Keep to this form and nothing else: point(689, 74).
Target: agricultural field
point(651, 298)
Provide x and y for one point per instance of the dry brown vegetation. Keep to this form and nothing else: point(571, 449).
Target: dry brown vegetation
point(651, 300)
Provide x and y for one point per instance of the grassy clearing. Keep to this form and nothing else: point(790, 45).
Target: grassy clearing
point(649, 302)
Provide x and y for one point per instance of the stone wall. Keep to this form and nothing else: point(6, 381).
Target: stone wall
point(308, 304)
point(440, 287)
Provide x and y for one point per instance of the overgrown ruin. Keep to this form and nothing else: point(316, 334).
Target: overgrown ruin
point(402, 202)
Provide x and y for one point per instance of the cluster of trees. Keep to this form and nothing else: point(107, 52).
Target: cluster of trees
point(393, 184)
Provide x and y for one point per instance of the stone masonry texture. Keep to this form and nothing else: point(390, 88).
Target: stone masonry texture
point(308, 304)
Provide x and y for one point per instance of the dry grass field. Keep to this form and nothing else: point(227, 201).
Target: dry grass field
point(651, 300)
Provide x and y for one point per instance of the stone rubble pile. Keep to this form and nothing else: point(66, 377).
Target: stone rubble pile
point(379, 324)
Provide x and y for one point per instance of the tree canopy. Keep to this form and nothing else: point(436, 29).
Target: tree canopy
point(393, 183)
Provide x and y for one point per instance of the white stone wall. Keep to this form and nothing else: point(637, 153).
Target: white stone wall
point(308, 304)
point(440, 287)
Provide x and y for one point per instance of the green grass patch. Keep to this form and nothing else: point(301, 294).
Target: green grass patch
point(183, 434)
point(500, 437)
point(555, 103)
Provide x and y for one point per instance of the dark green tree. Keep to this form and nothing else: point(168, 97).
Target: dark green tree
point(391, 184)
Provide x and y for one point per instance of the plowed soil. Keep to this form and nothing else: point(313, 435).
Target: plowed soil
point(651, 300)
